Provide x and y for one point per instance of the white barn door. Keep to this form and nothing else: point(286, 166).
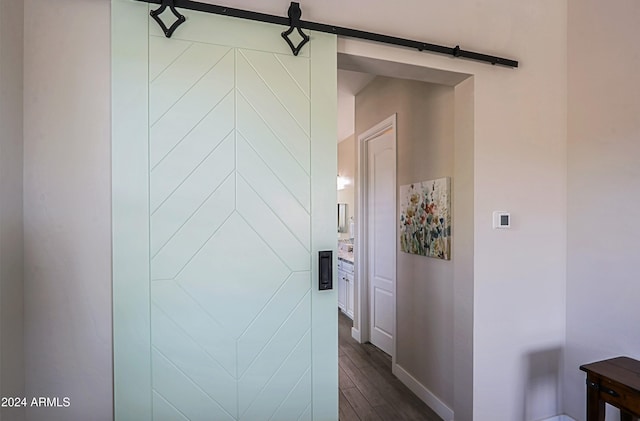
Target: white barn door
point(224, 163)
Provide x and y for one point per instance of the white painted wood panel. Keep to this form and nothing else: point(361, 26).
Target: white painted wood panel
point(232, 214)
point(381, 208)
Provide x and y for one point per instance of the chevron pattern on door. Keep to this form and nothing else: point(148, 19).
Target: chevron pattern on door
point(230, 233)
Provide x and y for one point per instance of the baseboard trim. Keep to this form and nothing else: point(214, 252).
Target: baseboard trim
point(355, 334)
point(423, 393)
point(559, 418)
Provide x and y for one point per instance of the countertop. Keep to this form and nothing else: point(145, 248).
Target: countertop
point(345, 256)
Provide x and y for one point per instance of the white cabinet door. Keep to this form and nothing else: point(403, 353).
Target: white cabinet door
point(342, 290)
point(349, 299)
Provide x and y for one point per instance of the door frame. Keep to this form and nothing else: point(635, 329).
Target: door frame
point(363, 308)
point(464, 77)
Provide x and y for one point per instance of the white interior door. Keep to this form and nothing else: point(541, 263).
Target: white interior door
point(224, 163)
point(381, 238)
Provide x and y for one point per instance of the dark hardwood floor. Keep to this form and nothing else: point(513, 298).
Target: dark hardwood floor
point(368, 390)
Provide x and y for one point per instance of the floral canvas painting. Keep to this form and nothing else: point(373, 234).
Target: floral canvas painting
point(425, 218)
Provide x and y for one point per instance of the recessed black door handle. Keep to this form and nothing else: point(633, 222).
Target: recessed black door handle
point(325, 270)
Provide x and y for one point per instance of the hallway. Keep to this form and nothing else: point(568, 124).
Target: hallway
point(368, 390)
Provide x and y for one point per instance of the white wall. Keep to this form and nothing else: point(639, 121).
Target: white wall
point(67, 209)
point(346, 120)
point(11, 240)
point(519, 164)
point(603, 189)
point(462, 249)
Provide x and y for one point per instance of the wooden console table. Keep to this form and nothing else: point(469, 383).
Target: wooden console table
point(616, 382)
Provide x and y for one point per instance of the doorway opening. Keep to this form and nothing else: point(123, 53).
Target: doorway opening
point(434, 296)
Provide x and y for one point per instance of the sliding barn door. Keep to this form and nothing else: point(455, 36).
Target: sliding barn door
point(224, 163)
